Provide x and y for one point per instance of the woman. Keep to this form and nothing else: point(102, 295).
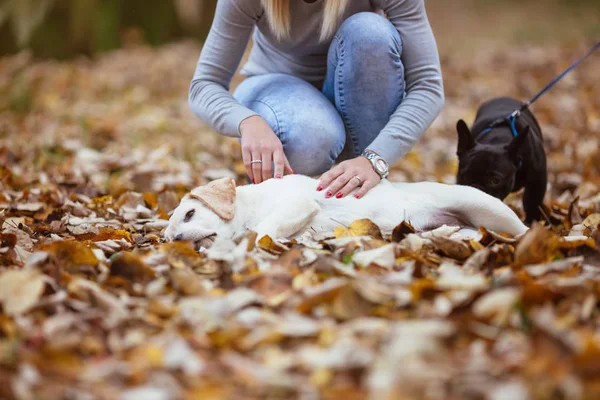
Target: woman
point(328, 80)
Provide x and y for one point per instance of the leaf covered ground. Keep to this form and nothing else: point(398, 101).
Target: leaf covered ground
point(94, 155)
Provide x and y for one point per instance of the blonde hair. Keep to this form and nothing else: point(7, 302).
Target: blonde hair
point(278, 15)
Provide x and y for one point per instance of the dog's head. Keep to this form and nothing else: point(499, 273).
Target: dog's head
point(488, 167)
point(204, 213)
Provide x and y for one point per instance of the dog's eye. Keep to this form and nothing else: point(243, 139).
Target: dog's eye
point(494, 181)
point(189, 215)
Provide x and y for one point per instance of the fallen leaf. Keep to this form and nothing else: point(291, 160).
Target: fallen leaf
point(537, 246)
point(131, 267)
point(72, 256)
point(181, 255)
point(382, 256)
point(452, 248)
point(20, 290)
point(401, 231)
point(361, 227)
point(497, 304)
point(268, 244)
point(591, 223)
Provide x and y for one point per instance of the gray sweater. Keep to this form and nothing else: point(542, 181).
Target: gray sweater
point(302, 55)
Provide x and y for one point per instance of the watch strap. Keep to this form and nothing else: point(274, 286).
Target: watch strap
point(373, 158)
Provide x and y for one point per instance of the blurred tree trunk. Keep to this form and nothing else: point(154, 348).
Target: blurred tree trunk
point(156, 18)
point(62, 28)
point(107, 25)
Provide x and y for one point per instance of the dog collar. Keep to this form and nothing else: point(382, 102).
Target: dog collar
point(511, 120)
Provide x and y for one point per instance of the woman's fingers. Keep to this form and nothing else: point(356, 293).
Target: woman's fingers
point(288, 168)
point(328, 177)
point(337, 185)
point(352, 184)
point(247, 157)
point(267, 165)
point(257, 167)
point(279, 162)
point(368, 185)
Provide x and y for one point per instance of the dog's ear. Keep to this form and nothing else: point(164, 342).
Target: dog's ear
point(514, 147)
point(465, 139)
point(218, 196)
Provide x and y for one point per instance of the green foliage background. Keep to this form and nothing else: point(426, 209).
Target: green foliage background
point(65, 28)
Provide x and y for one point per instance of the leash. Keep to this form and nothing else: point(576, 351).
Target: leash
point(511, 119)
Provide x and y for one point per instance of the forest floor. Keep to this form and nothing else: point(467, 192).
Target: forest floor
point(95, 153)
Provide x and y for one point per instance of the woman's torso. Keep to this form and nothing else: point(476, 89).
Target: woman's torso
point(302, 54)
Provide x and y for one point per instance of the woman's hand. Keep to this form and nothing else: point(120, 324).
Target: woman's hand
point(259, 143)
point(347, 176)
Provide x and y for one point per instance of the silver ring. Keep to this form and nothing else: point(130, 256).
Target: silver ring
point(359, 180)
point(256, 162)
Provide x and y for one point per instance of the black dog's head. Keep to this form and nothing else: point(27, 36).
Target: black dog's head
point(490, 168)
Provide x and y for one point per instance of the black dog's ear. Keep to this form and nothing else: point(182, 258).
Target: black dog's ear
point(465, 139)
point(516, 144)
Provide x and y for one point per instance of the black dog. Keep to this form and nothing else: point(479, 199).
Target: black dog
point(502, 160)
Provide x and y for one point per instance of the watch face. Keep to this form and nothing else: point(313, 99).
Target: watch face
point(381, 165)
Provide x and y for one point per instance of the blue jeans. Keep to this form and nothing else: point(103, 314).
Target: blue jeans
point(363, 87)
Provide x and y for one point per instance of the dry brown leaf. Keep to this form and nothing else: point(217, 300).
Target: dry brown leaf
point(361, 227)
point(537, 246)
point(348, 304)
point(314, 296)
point(187, 282)
point(452, 248)
point(131, 267)
point(181, 255)
point(72, 256)
point(490, 236)
point(271, 246)
point(94, 133)
point(591, 223)
point(401, 231)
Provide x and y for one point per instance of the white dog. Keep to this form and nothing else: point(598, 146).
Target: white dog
point(285, 208)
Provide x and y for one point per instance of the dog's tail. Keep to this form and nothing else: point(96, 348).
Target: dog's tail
point(469, 207)
point(480, 209)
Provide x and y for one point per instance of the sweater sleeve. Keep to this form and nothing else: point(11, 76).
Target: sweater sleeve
point(424, 86)
point(209, 97)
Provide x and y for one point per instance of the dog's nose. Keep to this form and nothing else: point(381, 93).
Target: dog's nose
point(179, 237)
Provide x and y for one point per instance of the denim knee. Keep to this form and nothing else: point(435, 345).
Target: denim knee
point(310, 129)
point(313, 148)
point(369, 31)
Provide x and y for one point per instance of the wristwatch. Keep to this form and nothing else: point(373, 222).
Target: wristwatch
point(379, 164)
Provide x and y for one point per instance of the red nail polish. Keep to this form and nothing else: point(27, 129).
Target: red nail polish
point(328, 194)
point(320, 188)
point(339, 195)
point(253, 181)
point(293, 172)
point(356, 196)
point(278, 177)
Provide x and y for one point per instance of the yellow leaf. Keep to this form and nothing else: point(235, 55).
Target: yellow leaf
point(72, 256)
point(361, 227)
point(181, 255)
point(268, 244)
point(151, 200)
point(321, 377)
